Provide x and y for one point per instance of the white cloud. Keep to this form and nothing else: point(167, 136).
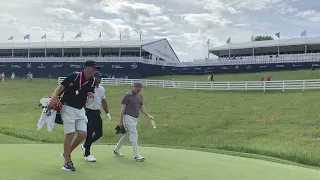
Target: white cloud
point(63, 13)
point(187, 24)
point(312, 15)
point(205, 19)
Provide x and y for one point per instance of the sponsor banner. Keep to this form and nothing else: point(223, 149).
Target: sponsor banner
point(41, 66)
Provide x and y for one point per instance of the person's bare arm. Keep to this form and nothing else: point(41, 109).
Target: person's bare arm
point(105, 105)
point(55, 95)
point(143, 110)
point(123, 108)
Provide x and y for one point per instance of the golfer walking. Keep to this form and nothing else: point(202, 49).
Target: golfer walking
point(76, 88)
point(94, 117)
point(132, 104)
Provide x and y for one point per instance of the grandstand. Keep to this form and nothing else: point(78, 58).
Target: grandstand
point(138, 59)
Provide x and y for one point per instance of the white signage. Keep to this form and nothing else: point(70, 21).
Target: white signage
point(161, 49)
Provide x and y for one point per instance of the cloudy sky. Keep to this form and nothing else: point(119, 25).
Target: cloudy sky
point(187, 24)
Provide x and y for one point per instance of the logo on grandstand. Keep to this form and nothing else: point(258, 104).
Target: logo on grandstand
point(2, 65)
point(57, 66)
point(75, 66)
point(315, 65)
point(29, 65)
point(264, 66)
point(297, 65)
point(134, 66)
point(210, 68)
point(15, 66)
point(224, 68)
point(163, 67)
point(184, 69)
point(41, 66)
point(249, 67)
point(197, 68)
point(237, 67)
point(174, 69)
point(116, 67)
point(280, 65)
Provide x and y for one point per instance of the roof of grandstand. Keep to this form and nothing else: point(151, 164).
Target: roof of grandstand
point(77, 44)
point(269, 43)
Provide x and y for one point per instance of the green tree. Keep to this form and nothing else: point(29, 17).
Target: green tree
point(262, 38)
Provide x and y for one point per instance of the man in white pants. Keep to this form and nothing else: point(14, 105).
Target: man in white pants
point(132, 104)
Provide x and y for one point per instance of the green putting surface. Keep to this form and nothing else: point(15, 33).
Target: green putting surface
point(42, 161)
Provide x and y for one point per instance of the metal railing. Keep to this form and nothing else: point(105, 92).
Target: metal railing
point(218, 86)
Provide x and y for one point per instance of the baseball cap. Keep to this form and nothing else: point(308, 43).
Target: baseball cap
point(91, 64)
point(97, 74)
point(137, 85)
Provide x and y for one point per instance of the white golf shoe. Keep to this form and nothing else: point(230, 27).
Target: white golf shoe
point(117, 153)
point(139, 158)
point(90, 158)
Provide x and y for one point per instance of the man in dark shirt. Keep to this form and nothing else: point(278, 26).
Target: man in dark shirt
point(76, 88)
point(132, 104)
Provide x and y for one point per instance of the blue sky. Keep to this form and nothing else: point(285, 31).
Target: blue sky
point(187, 24)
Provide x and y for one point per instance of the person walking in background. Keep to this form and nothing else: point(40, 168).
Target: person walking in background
point(132, 104)
point(312, 69)
point(93, 113)
point(76, 87)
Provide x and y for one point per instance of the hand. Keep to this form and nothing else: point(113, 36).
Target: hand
point(120, 124)
point(90, 94)
point(109, 116)
point(53, 102)
point(150, 117)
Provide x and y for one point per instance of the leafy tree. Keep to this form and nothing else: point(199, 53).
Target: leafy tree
point(263, 38)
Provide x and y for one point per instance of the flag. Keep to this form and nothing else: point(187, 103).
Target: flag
point(62, 36)
point(304, 33)
point(99, 36)
point(44, 36)
point(229, 40)
point(278, 34)
point(252, 38)
point(78, 35)
point(120, 35)
point(208, 41)
point(10, 38)
point(27, 36)
point(140, 35)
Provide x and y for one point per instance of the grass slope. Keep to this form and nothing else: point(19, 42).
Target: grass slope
point(275, 75)
point(276, 124)
point(160, 164)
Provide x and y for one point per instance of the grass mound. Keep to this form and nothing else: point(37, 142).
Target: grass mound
point(276, 124)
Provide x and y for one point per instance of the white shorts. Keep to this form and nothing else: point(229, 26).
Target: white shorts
point(73, 119)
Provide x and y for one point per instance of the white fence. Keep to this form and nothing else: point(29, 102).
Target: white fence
point(219, 86)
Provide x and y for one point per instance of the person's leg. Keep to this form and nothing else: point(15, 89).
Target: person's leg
point(120, 143)
point(90, 130)
point(131, 124)
point(81, 127)
point(69, 129)
point(98, 128)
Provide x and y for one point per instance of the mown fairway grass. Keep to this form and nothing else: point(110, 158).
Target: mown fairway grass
point(277, 124)
point(39, 162)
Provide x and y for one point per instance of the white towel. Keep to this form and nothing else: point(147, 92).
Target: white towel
point(47, 116)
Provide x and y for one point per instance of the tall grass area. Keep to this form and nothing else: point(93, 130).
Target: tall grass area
point(275, 75)
point(277, 124)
